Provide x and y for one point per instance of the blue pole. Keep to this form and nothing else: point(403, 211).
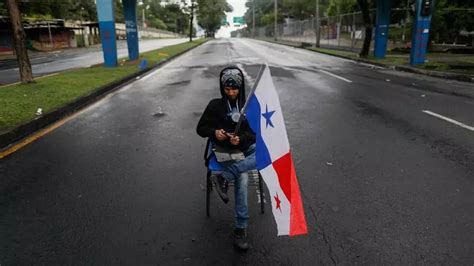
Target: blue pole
point(129, 11)
point(381, 28)
point(105, 13)
point(421, 31)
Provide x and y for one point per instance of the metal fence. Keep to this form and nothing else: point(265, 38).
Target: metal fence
point(343, 32)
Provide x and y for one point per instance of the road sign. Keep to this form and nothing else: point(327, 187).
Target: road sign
point(223, 21)
point(239, 20)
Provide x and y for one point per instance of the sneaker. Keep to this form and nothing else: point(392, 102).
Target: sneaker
point(240, 239)
point(221, 187)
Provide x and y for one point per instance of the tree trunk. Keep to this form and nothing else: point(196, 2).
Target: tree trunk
point(191, 23)
point(19, 38)
point(364, 6)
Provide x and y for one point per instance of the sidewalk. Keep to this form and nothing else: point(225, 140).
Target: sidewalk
point(442, 65)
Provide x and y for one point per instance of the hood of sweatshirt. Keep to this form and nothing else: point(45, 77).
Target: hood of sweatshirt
point(232, 76)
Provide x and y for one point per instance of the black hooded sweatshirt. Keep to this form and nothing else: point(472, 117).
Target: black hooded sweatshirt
point(217, 116)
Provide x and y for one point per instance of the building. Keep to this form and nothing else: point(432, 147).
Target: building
point(41, 35)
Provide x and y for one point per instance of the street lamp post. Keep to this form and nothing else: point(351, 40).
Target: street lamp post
point(318, 25)
point(142, 4)
point(191, 22)
point(275, 13)
point(253, 18)
point(407, 15)
point(143, 17)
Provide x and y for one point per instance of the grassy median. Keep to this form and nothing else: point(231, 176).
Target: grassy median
point(19, 103)
point(446, 62)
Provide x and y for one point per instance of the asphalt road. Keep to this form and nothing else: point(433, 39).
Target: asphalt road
point(44, 63)
point(382, 181)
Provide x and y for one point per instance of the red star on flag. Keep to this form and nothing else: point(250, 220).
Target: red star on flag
point(278, 201)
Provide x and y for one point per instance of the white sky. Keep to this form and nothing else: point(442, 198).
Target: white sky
point(239, 11)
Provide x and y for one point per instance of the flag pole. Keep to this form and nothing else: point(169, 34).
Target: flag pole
point(252, 91)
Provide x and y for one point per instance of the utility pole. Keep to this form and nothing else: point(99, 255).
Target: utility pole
point(407, 15)
point(19, 37)
point(275, 13)
point(318, 25)
point(143, 17)
point(50, 36)
point(253, 18)
point(191, 22)
point(338, 25)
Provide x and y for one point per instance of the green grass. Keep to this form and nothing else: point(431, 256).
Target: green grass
point(391, 59)
point(404, 59)
point(19, 102)
point(468, 59)
point(336, 52)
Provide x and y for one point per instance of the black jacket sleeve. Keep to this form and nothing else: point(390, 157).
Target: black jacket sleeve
point(208, 123)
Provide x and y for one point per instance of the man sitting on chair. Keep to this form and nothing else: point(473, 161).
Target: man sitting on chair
point(218, 122)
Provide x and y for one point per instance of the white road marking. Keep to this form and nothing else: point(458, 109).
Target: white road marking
point(334, 75)
point(149, 75)
point(449, 120)
point(371, 66)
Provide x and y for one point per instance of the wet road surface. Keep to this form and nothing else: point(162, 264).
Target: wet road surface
point(60, 60)
point(382, 182)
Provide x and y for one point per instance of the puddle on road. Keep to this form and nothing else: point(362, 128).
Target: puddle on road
point(183, 82)
point(159, 113)
point(281, 72)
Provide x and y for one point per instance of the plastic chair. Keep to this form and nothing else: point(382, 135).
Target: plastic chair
point(215, 168)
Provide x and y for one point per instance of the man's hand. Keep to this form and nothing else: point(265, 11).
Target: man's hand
point(220, 134)
point(234, 140)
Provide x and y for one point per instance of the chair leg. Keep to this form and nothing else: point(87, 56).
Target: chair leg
point(208, 192)
point(262, 198)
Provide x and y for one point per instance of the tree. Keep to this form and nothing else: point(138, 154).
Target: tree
point(191, 14)
point(210, 14)
point(269, 19)
point(337, 7)
point(365, 8)
point(172, 15)
point(85, 10)
point(262, 7)
point(450, 17)
point(19, 38)
point(55, 8)
point(3, 10)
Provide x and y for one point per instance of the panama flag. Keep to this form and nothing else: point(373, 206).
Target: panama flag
point(274, 160)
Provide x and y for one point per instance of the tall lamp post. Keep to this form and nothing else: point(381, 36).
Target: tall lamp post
point(191, 22)
point(253, 18)
point(142, 4)
point(275, 13)
point(318, 25)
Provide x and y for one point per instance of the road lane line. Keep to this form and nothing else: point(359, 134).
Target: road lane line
point(149, 75)
point(334, 75)
point(35, 136)
point(449, 120)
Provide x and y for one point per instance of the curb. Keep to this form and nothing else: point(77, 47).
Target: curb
point(438, 74)
point(24, 130)
point(432, 73)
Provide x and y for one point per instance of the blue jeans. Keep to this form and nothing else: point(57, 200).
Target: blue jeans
point(237, 172)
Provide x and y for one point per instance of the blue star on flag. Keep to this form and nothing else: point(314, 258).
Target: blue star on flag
point(267, 115)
